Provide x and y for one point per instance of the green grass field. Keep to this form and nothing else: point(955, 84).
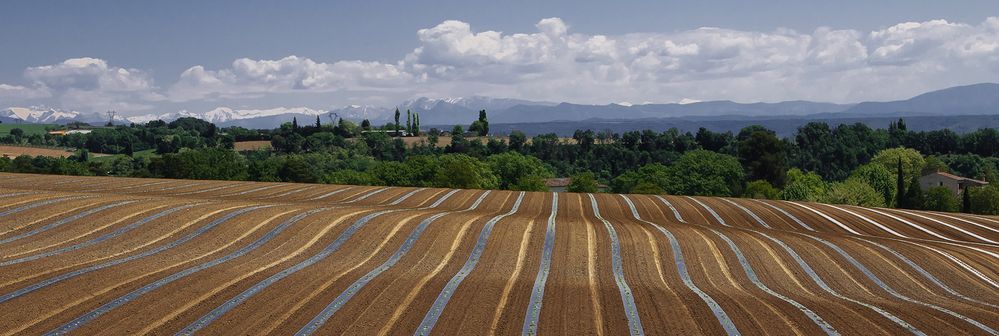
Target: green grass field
point(149, 153)
point(28, 129)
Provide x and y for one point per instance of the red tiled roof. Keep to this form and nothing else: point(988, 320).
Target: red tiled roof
point(558, 182)
point(958, 178)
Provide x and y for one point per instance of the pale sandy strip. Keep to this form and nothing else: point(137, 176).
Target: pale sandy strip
point(723, 266)
point(945, 254)
point(426, 278)
point(130, 280)
point(521, 257)
point(57, 214)
point(276, 322)
point(983, 226)
point(956, 228)
point(102, 227)
point(315, 239)
point(591, 272)
point(162, 237)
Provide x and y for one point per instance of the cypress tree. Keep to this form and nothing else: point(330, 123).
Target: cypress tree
point(900, 190)
point(294, 123)
point(396, 121)
point(416, 130)
point(409, 122)
point(319, 125)
point(966, 200)
point(914, 197)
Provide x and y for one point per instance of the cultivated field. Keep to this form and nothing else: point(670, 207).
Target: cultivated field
point(251, 145)
point(91, 255)
point(15, 151)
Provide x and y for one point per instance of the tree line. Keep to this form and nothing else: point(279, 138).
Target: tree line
point(849, 164)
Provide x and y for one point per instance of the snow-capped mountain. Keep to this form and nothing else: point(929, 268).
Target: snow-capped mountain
point(39, 114)
point(222, 115)
point(472, 103)
point(361, 112)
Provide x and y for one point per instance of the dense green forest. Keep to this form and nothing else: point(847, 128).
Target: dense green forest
point(848, 164)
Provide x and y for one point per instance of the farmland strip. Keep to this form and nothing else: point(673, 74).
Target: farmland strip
point(254, 190)
point(990, 241)
point(430, 319)
point(815, 278)
point(830, 219)
point(968, 221)
point(227, 186)
point(789, 215)
point(41, 203)
point(864, 218)
point(750, 213)
point(16, 194)
point(945, 254)
point(681, 266)
point(710, 210)
point(630, 308)
point(818, 280)
point(870, 275)
point(673, 208)
point(538, 293)
point(293, 191)
point(102, 238)
point(175, 243)
point(147, 184)
point(179, 186)
point(64, 221)
point(746, 267)
point(79, 321)
point(408, 195)
point(926, 274)
point(328, 250)
point(358, 285)
point(311, 242)
point(963, 244)
point(367, 195)
point(334, 192)
point(963, 265)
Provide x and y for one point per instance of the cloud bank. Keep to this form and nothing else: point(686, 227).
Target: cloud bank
point(555, 64)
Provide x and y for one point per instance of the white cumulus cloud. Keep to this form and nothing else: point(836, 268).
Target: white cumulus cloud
point(552, 62)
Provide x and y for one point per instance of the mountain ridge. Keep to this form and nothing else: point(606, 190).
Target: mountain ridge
point(976, 99)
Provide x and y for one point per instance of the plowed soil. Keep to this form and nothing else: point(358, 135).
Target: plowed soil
point(95, 255)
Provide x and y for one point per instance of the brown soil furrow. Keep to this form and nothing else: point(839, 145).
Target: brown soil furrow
point(79, 229)
point(427, 265)
point(366, 297)
point(24, 221)
point(95, 294)
point(283, 256)
point(500, 272)
point(660, 303)
point(79, 259)
point(568, 282)
point(367, 246)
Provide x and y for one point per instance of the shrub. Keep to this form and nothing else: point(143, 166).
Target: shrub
point(941, 199)
point(584, 182)
point(801, 186)
point(761, 189)
point(853, 192)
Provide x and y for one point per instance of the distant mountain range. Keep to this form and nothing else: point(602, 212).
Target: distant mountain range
point(978, 99)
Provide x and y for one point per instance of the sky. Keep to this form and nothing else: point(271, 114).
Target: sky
point(141, 57)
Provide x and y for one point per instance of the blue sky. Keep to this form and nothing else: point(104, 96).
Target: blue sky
point(145, 57)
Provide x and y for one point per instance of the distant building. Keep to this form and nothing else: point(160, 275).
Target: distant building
point(561, 184)
point(67, 132)
point(955, 183)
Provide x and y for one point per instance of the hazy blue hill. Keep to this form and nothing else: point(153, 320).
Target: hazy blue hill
point(960, 100)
